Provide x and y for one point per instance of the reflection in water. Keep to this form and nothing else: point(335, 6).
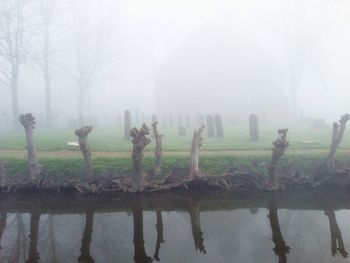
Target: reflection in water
point(196, 227)
point(140, 255)
point(19, 251)
point(85, 256)
point(234, 232)
point(33, 256)
point(280, 249)
point(160, 236)
point(337, 243)
point(52, 254)
point(3, 219)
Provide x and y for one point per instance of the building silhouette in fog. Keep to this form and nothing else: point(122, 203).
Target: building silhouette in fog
point(218, 71)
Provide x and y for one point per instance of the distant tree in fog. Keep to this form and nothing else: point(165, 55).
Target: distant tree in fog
point(14, 46)
point(45, 37)
point(89, 39)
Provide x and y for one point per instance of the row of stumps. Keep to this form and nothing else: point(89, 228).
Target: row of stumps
point(140, 141)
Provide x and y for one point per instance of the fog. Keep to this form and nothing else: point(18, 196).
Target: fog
point(83, 59)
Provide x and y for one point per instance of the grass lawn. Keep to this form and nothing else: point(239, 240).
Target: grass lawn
point(111, 140)
point(112, 153)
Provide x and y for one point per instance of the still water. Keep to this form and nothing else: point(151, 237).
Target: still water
point(180, 229)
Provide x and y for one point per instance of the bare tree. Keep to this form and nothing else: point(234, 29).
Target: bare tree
point(13, 45)
point(45, 37)
point(89, 38)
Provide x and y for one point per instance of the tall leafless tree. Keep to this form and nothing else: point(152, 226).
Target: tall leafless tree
point(13, 45)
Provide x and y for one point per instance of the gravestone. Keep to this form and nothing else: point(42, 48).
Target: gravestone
point(253, 128)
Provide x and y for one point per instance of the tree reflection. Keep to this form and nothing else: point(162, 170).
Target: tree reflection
point(196, 227)
point(3, 219)
point(139, 243)
point(33, 256)
point(160, 236)
point(85, 256)
point(337, 243)
point(280, 249)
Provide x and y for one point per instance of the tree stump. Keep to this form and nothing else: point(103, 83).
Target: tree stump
point(35, 169)
point(338, 133)
point(158, 149)
point(127, 125)
point(82, 134)
point(196, 144)
point(210, 126)
point(139, 141)
point(219, 126)
point(280, 145)
point(254, 128)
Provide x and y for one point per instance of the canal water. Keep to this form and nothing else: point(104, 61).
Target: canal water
point(179, 229)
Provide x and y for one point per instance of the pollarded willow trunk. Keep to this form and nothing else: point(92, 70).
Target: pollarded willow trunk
point(139, 141)
point(280, 145)
point(158, 150)
point(196, 144)
point(85, 256)
point(28, 122)
point(338, 133)
point(82, 134)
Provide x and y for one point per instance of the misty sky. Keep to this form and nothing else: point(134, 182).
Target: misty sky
point(310, 37)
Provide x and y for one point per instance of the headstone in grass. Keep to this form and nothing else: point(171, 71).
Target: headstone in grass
point(127, 125)
point(171, 120)
point(137, 118)
point(253, 128)
point(219, 126)
point(210, 126)
point(154, 119)
point(188, 121)
point(182, 131)
point(164, 121)
point(119, 120)
point(200, 120)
